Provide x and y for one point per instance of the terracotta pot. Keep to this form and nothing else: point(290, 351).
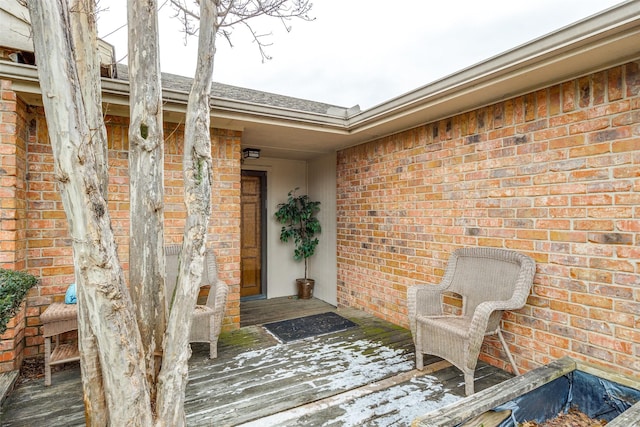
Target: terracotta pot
point(305, 288)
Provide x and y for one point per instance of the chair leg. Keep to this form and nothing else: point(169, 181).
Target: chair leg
point(419, 360)
point(506, 349)
point(213, 350)
point(419, 354)
point(468, 383)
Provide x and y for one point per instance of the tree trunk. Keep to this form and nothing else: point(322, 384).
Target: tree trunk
point(87, 55)
point(106, 299)
point(146, 186)
point(83, 27)
point(198, 174)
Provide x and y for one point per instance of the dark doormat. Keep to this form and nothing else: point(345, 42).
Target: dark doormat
point(308, 326)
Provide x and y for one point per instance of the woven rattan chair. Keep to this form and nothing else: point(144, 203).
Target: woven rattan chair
point(207, 319)
point(490, 281)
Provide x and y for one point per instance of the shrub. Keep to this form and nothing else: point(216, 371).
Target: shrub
point(14, 286)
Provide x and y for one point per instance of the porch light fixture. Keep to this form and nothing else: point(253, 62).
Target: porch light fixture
point(251, 153)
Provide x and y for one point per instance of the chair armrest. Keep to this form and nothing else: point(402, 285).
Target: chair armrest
point(482, 317)
point(478, 326)
point(217, 293)
point(217, 301)
point(484, 310)
point(423, 300)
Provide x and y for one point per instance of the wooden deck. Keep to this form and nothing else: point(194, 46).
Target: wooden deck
point(361, 376)
point(259, 312)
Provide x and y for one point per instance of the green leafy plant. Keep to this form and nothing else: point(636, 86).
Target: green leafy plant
point(14, 286)
point(300, 224)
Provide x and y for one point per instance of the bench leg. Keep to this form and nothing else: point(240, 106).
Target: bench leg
point(47, 357)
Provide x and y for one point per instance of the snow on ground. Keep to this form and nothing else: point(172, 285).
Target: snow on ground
point(396, 406)
point(329, 365)
point(344, 367)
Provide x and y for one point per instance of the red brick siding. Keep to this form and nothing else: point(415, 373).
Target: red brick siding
point(554, 174)
point(12, 176)
point(12, 342)
point(49, 248)
point(12, 213)
point(225, 218)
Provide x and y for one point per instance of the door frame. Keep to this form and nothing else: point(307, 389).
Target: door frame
point(263, 232)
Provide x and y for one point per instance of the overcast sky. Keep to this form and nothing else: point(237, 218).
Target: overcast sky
point(363, 51)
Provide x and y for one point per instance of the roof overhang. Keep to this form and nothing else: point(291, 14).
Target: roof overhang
point(604, 40)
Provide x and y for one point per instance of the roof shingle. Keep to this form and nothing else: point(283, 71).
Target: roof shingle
point(235, 93)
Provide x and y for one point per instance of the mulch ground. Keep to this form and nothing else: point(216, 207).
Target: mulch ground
point(574, 418)
point(33, 369)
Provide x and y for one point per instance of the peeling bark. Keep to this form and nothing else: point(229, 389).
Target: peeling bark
point(83, 27)
point(146, 186)
point(198, 174)
point(105, 301)
point(87, 55)
point(119, 334)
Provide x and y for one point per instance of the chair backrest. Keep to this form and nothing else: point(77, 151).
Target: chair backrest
point(172, 256)
point(490, 274)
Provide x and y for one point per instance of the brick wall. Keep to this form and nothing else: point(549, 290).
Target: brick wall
point(12, 213)
point(225, 217)
point(12, 177)
point(554, 174)
point(49, 253)
point(12, 342)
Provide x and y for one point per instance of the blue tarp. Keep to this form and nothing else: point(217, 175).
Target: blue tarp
point(598, 398)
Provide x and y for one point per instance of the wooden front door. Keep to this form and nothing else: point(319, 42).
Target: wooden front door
point(252, 234)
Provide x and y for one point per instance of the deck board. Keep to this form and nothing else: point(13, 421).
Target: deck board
point(256, 377)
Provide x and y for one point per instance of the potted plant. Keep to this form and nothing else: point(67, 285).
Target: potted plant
point(300, 224)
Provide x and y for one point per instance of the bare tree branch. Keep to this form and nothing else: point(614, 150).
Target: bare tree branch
point(231, 13)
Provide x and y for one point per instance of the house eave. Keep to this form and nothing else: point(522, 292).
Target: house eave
point(607, 39)
point(116, 98)
point(602, 41)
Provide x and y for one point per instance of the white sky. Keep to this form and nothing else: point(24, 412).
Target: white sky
point(363, 51)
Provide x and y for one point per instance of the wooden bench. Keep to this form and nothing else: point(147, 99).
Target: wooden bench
point(57, 319)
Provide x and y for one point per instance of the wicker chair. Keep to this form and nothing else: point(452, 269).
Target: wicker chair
point(490, 281)
point(207, 319)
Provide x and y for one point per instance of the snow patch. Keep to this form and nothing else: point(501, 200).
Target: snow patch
point(395, 406)
point(329, 366)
